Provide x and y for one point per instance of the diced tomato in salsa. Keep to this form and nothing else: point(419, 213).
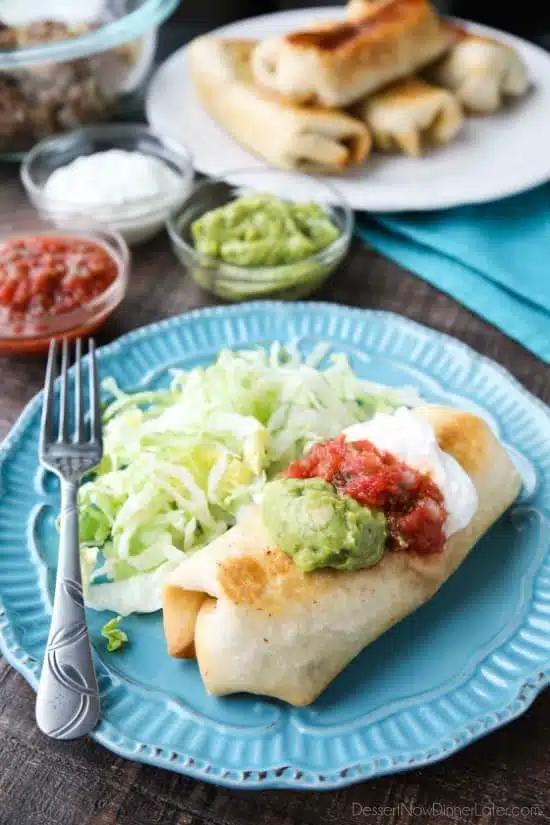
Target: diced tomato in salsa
point(411, 501)
point(51, 274)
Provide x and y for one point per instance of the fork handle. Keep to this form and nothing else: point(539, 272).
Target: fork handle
point(67, 704)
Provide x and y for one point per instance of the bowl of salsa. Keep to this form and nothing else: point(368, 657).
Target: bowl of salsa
point(58, 278)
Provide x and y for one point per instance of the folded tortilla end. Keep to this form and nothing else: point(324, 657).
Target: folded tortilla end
point(465, 436)
point(180, 610)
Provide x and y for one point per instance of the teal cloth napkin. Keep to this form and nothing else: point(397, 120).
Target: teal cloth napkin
point(494, 258)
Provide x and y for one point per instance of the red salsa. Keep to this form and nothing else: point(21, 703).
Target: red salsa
point(46, 275)
point(410, 500)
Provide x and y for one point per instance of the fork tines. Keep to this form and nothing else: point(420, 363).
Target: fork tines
point(50, 433)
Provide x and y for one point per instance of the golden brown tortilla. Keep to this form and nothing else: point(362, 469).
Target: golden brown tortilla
point(285, 134)
point(411, 115)
point(338, 63)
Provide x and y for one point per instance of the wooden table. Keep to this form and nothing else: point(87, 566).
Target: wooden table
point(48, 783)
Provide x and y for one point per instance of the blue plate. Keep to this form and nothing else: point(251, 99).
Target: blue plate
point(467, 662)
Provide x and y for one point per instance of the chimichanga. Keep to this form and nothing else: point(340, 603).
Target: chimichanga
point(256, 623)
point(357, 9)
point(285, 134)
point(480, 71)
point(410, 115)
point(335, 64)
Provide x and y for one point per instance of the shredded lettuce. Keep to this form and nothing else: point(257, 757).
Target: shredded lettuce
point(182, 464)
point(116, 638)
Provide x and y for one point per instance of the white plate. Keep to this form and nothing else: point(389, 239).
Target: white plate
point(494, 156)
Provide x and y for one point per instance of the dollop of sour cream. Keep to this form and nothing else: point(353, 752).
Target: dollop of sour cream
point(412, 440)
point(115, 179)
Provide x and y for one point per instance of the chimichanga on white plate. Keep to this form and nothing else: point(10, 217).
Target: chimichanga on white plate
point(411, 115)
point(256, 622)
point(335, 64)
point(482, 72)
point(285, 134)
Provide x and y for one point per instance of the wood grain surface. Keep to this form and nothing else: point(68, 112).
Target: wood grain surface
point(504, 778)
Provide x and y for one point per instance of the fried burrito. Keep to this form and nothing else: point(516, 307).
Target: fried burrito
point(483, 73)
point(285, 134)
point(353, 537)
point(336, 64)
point(411, 115)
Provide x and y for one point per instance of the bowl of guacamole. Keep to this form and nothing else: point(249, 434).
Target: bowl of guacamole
point(245, 239)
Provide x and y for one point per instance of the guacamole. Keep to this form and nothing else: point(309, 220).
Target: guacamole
point(260, 230)
point(315, 525)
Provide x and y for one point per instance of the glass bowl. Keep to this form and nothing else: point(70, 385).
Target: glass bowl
point(243, 283)
point(34, 335)
point(138, 220)
point(60, 71)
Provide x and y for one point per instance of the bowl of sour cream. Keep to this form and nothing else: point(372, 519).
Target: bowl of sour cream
point(122, 175)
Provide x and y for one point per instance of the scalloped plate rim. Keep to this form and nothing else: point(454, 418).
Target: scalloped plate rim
point(271, 777)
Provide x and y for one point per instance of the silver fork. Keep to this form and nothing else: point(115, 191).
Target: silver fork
point(67, 704)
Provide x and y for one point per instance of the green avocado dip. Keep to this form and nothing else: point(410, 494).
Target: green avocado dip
point(261, 230)
point(315, 525)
